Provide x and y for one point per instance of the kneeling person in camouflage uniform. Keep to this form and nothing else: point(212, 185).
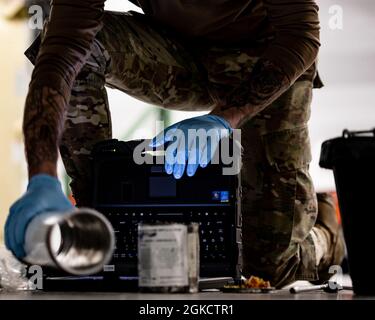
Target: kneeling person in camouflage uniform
point(249, 63)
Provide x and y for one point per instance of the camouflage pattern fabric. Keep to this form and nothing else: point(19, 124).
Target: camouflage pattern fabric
point(88, 121)
point(143, 60)
point(151, 65)
point(279, 204)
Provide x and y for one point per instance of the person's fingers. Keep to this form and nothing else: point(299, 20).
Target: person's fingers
point(170, 159)
point(17, 229)
point(171, 152)
point(163, 137)
point(181, 157)
point(192, 168)
point(193, 156)
point(204, 155)
point(171, 133)
point(9, 229)
point(168, 168)
point(178, 170)
point(24, 216)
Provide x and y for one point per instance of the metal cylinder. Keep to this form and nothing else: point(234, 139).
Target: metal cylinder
point(79, 243)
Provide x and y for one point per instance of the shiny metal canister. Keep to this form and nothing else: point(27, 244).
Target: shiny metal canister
point(80, 242)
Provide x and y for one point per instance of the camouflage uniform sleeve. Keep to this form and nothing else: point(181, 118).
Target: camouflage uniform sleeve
point(290, 54)
point(66, 45)
point(71, 31)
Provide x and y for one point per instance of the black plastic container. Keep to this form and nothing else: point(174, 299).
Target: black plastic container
point(352, 159)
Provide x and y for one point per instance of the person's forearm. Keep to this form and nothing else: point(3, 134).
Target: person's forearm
point(293, 50)
point(64, 50)
point(267, 83)
point(43, 126)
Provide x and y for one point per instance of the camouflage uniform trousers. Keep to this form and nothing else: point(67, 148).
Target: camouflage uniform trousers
point(154, 65)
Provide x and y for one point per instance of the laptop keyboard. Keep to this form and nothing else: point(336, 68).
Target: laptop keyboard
point(214, 227)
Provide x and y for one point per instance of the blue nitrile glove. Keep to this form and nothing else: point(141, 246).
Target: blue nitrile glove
point(185, 150)
point(44, 194)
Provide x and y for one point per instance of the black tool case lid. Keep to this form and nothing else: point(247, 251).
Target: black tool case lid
point(353, 146)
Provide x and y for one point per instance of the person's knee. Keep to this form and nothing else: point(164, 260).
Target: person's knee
point(278, 267)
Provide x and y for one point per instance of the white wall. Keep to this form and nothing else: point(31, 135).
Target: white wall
point(13, 86)
point(347, 64)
